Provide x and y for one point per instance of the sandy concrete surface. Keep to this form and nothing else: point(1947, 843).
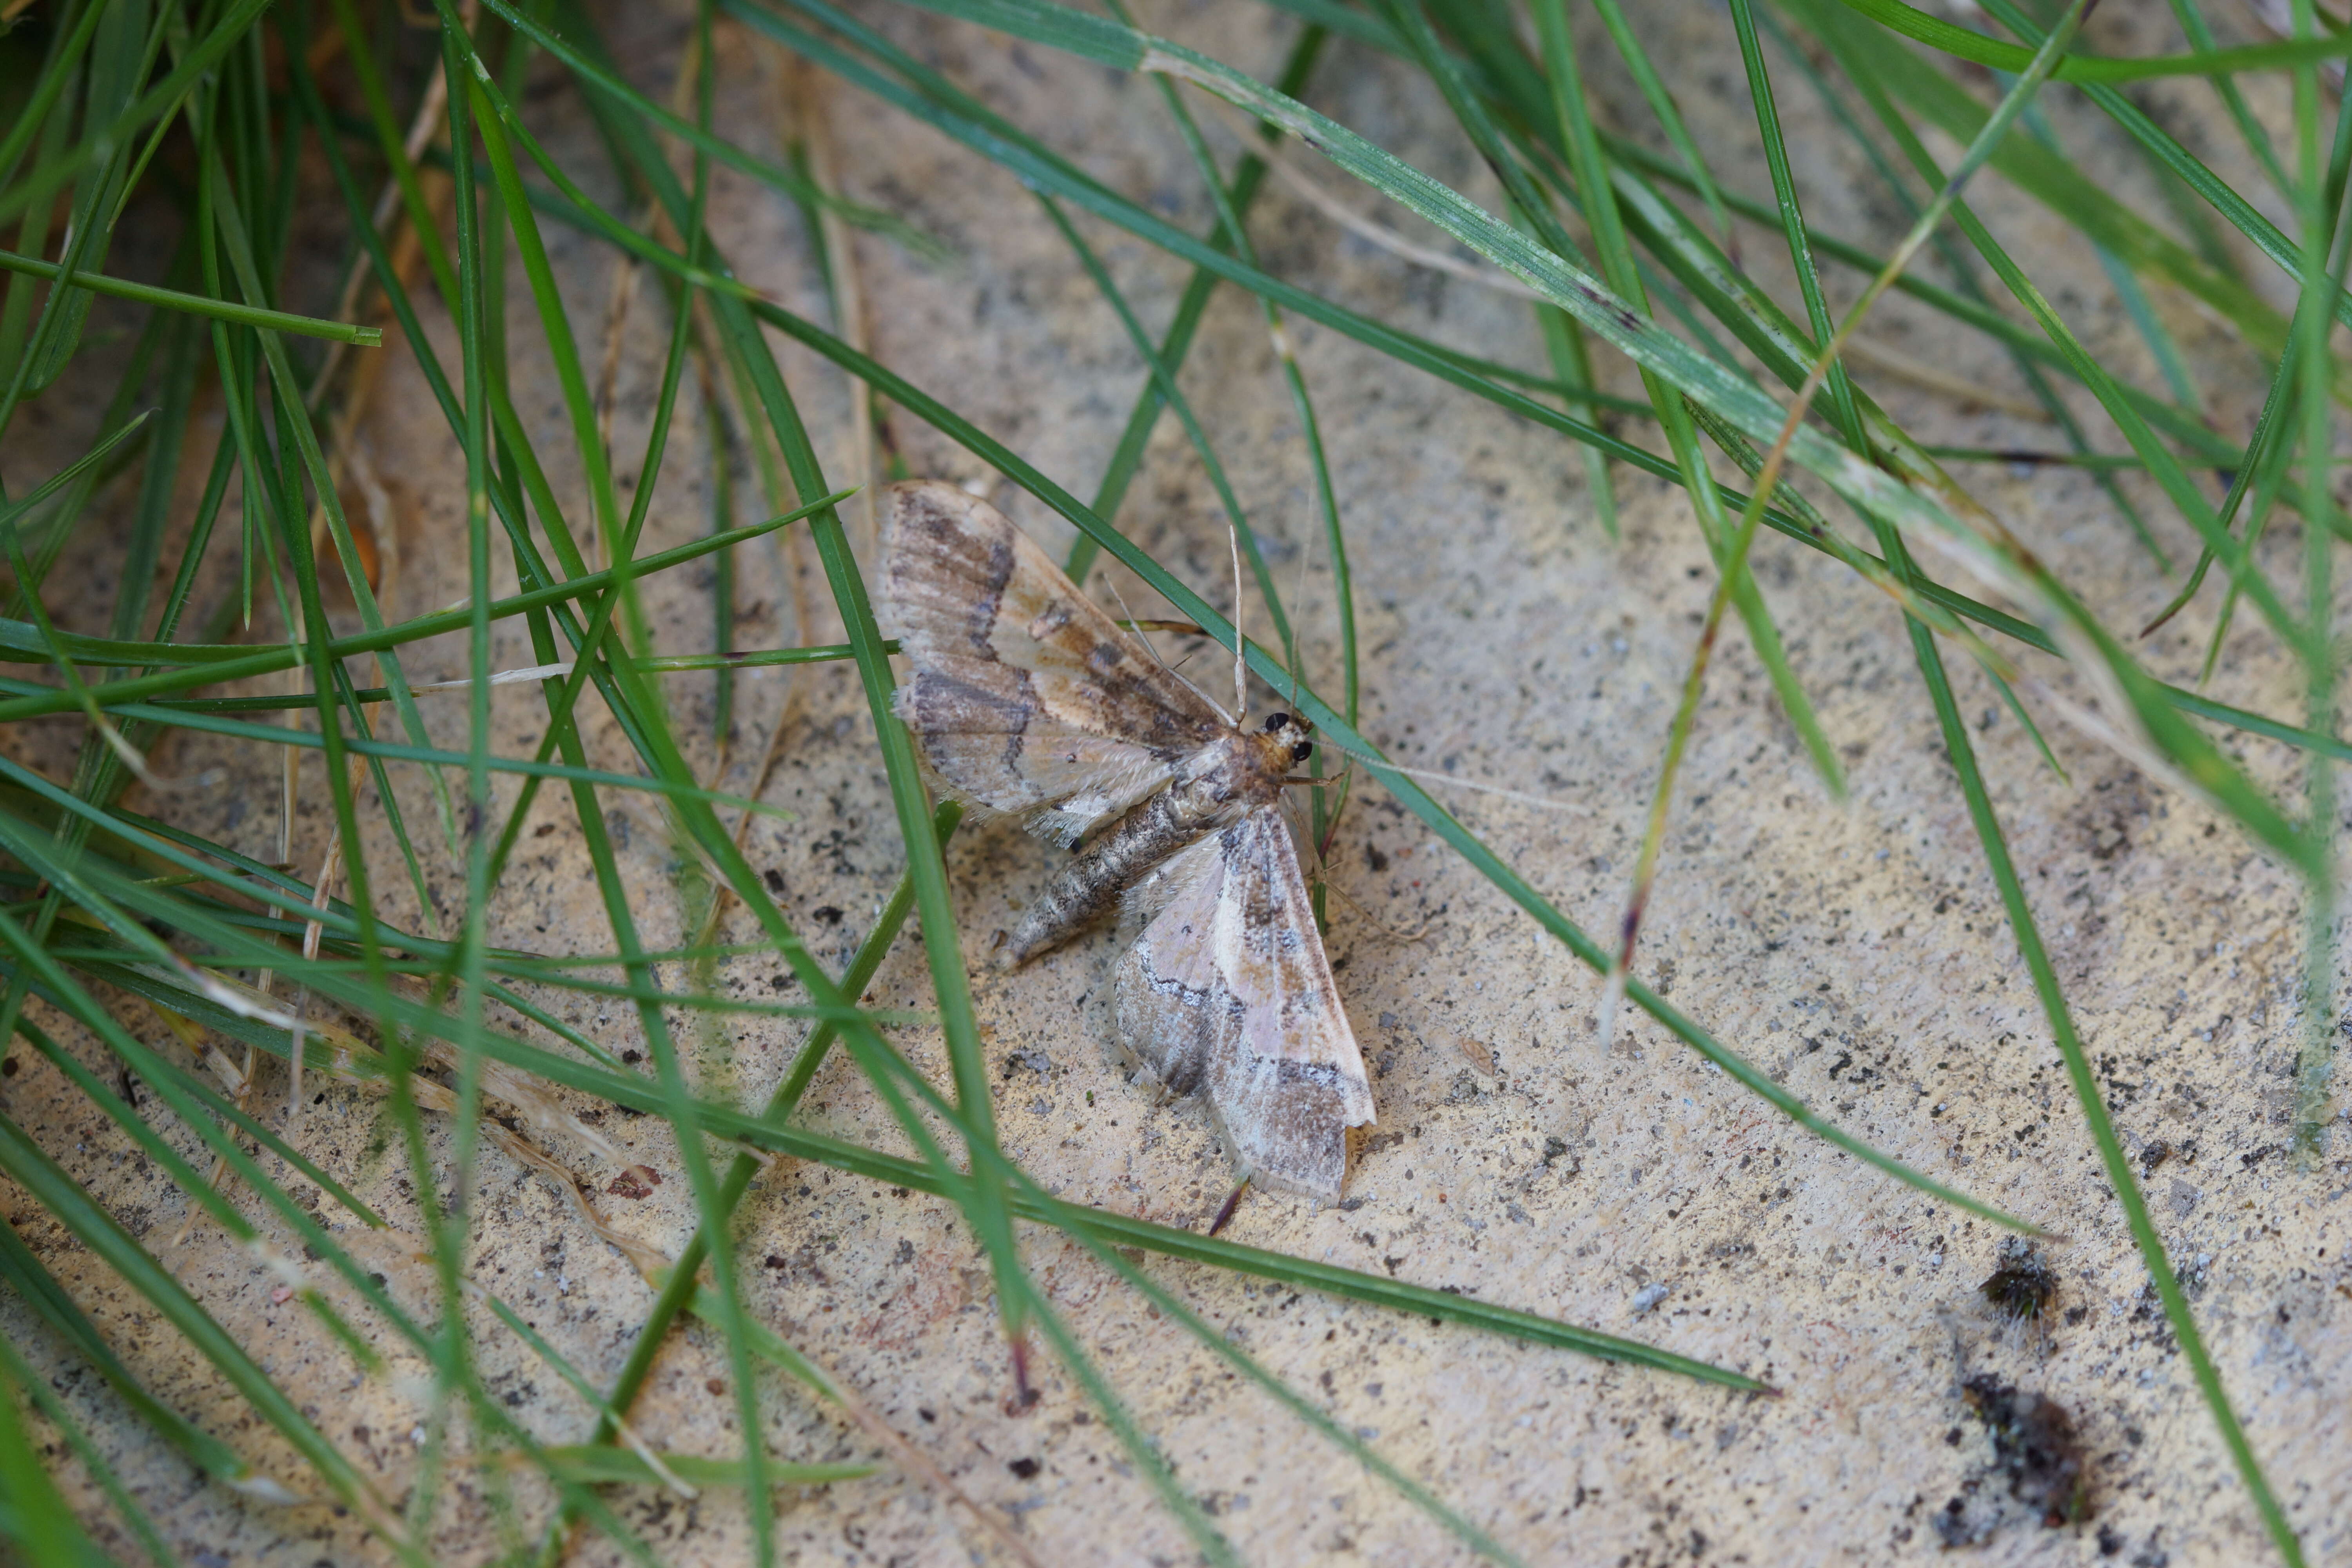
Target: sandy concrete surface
point(1856, 952)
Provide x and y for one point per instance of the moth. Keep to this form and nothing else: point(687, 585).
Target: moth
point(1026, 697)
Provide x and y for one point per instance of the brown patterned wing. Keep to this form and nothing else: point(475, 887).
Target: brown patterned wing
point(1025, 695)
point(1227, 994)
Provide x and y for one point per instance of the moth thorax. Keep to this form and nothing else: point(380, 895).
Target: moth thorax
point(1235, 772)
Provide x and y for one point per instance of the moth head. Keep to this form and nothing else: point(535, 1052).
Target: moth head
point(1294, 729)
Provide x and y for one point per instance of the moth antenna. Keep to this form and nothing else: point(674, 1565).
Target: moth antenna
point(1241, 669)
point(1380, 765)
point(1137, 627)
point(1298, 596)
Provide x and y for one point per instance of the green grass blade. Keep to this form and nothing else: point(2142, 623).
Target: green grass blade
point(13, 1368)
point(1975, 48)
point(35, 1524)
point(198, 304)
point(89, 1222)
point(40, 1289)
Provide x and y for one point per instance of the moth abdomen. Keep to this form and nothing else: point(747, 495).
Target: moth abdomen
point(1089, 886)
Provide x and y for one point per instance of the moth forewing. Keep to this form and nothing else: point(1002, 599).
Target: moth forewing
point(1025, 697)
point(1227, 994)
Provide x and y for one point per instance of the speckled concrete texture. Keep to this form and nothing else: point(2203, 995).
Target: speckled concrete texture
point(1856, 952)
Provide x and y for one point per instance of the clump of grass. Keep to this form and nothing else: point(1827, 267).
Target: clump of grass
point(231, 128)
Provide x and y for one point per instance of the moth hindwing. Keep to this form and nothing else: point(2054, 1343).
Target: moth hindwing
point(1025, 697)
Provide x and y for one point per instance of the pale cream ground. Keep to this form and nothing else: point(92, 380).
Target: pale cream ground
point(1856, 952)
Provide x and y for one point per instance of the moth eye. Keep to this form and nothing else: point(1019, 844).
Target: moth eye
point(1278, 722)
point(1301, 751)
